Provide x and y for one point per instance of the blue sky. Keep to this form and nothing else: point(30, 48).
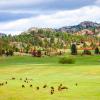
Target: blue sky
point(19, 15)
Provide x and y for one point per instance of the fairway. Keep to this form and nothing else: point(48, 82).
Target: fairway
point(46, 70)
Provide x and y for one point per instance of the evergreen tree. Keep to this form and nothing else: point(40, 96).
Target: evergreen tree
point(73, 49)
point(96, 50)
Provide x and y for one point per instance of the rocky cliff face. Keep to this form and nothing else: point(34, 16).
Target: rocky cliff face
point(83, 25)
point(87, 27)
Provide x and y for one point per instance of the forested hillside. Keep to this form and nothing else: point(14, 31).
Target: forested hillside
point(46, 38)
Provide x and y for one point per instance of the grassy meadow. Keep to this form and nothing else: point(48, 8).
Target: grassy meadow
point(46, 70)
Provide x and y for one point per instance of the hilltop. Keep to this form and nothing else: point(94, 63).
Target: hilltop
point(83, 25)
point(86, 27)
point(85, 35)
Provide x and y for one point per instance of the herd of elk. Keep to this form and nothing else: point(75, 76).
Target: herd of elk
point(61, 87)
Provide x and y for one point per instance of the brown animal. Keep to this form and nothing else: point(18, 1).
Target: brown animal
point(64, 87)
point(23, 86)
point(60, 85)
point(59, 88)
point(25, 81)
point(52, 91)
point(52, 87)
point(45, 86)
point(6, 82)
point(13, 78)
point(37, 88)
point(31, 85)
point(1, 84)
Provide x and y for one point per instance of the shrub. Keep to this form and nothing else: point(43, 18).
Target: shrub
point(11, 53)
point(67, 60)
point(86, 52)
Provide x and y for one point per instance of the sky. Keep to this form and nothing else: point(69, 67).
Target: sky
point(17, 16)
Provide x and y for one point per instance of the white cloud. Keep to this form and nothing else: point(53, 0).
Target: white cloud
point(58, 19)
point(97, 2)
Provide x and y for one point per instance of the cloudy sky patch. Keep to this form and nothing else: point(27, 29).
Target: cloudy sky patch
point(19, 15)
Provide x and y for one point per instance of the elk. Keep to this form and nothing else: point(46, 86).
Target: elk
point(37, 88)
point(13, 78)
point(31, 85)
point(45, 86)
point(23, 86)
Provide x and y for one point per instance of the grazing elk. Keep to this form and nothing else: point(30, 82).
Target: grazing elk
point(6, 82)
point(52, 90)
point(23, 86)
point(64, 87)
point(13, 78)
point(52, 87)
point(1, 84)
point(31, 85)
point(37, 88)
point(61, 87)
point(25, 81)
point(45, 86)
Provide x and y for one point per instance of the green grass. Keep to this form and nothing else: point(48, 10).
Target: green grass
point(47, 70)
point(18, 60)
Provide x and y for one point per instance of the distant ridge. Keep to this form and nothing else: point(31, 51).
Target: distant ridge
point(86, 27)
point(83, 25)
point(2, 34)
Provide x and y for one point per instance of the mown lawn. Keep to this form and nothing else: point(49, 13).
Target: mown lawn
point(46, 70)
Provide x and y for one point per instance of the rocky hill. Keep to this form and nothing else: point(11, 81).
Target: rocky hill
point(83, 25)
point(86, 27)
point(2, 34)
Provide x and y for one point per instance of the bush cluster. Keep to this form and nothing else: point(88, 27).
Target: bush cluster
point(67, 60)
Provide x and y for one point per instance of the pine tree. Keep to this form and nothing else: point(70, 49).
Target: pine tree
point(73, 49)
point(96, 50)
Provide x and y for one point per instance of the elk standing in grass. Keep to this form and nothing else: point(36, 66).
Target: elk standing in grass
point(23, 86)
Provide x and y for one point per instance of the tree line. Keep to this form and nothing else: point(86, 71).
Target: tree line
point(44, 39)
